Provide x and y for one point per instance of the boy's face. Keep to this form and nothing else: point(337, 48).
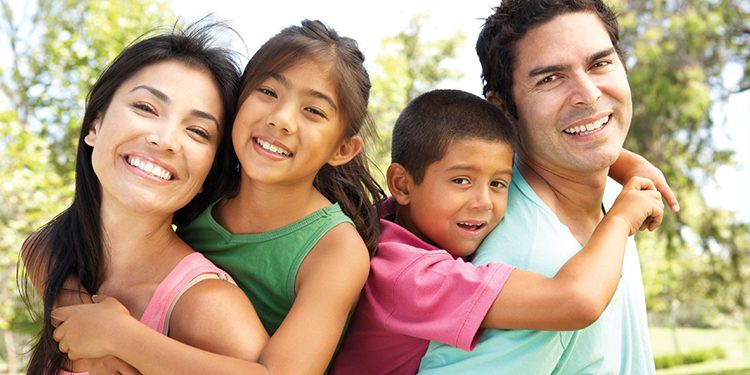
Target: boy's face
point(462, 196)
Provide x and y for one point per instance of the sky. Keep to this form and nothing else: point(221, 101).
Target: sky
point(370, 22)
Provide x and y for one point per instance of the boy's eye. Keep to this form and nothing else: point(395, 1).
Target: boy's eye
point(499, 184)
point(461, 181)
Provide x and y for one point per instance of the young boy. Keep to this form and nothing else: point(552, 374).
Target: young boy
point(452, 161)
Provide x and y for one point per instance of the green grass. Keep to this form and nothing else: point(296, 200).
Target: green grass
point(735, 342)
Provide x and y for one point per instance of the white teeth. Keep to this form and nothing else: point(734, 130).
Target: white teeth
point(149, 168)
point(272, 148)
point(469, 225)
point(583, 129)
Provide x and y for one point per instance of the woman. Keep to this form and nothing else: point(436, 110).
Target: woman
point(155, 133)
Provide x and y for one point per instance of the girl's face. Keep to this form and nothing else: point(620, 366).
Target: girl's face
point(290, 126)
point(156, 142)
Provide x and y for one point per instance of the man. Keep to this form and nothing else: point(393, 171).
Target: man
point(556, 67)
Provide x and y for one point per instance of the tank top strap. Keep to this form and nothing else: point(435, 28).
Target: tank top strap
point(191, 270)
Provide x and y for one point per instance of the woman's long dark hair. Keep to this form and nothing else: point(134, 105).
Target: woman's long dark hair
point(72, 244)
point(350, 185)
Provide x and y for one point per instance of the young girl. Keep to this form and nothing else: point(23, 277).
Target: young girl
point(153, 130)
point(285, 231)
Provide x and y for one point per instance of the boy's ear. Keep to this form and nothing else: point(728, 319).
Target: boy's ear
point(347, 151)
point(399, 183)
point(90, 138)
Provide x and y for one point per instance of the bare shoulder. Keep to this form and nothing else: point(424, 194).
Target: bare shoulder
point(340, 253)
point(215, 315)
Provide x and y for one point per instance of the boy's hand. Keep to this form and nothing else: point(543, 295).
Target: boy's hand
point(639, 205)
point(630, 165)
point(83, 330)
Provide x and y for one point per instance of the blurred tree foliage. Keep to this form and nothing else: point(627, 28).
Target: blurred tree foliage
point(697, 265)
point(53, 51)
point(408, 66)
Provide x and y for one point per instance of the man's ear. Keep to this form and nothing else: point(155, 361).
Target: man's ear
point(90, 138)
point(399, 183)
point(347, 151)
point(495, 99)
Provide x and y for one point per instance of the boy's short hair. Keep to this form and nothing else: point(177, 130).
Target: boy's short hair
point(434, 120)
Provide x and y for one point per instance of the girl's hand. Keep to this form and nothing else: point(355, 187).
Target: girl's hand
point(83, 331)
point(630, 165)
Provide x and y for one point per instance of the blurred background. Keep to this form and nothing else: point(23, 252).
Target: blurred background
point(689, 70)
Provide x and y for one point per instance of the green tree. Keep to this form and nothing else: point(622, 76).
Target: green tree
point(696, 267)
point(408, 66)
point(52, 52)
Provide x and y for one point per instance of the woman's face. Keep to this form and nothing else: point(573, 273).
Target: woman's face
point(156, 142)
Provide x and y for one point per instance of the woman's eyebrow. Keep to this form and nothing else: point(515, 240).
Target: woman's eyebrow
point(155, 92)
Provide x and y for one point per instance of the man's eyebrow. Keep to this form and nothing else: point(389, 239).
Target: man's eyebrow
point(601, 54)
point(154, 91)
point(543, 70)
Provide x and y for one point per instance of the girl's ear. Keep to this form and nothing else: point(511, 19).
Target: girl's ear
point(90, 138)
point(399, 183)
point(347, 151)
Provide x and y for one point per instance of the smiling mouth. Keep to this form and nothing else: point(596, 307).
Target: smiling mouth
point(150, 168)
point(271, 147)
point(589, 128)
point(470, 226)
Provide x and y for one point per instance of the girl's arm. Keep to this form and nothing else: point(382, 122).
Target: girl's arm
point(328, 286)
point(630, 164)
point(217, 329)
point(583, 287)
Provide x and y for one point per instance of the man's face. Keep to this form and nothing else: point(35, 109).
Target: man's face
point(572, 95)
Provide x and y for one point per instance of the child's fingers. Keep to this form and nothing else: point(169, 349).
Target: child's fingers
point(667, 194)
point(58, 316)
point(640, 183)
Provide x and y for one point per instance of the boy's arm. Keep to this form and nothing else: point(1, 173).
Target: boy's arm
point(218, 326)
point(583, 287)
point(630, 164)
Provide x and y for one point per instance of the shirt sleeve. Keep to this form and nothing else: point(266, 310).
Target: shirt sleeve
point(428, 294)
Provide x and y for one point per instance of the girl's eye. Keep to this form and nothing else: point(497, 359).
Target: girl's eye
point(200, 132)
point(145, 107)
point(316, 112)
point(461, 181)
point(267, 92)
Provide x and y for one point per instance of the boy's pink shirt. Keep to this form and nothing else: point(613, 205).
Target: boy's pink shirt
point(415, 293)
